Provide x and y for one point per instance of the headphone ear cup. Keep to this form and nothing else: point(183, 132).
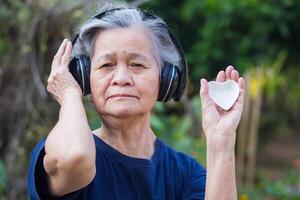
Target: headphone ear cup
point(169, 79)
point(86, 74)
point(80, 67)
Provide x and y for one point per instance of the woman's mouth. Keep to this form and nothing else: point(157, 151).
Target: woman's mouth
point(121, 96)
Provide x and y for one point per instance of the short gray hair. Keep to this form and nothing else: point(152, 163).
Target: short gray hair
point(164, 49)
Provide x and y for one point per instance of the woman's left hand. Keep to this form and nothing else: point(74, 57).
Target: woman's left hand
point(218, 124)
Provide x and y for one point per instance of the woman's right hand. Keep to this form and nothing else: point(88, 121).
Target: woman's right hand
point(61, 82)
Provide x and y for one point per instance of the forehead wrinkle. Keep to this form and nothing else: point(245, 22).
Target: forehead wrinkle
point(106, 56)
point(134, 55)
point(137, 56)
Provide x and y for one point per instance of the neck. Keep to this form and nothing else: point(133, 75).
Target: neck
point(131, 136)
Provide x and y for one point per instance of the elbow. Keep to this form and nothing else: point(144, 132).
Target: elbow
point(86, 167)
point(78, 165)
point(77, 169)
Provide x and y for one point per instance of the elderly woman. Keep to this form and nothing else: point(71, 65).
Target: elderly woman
point(123, 159)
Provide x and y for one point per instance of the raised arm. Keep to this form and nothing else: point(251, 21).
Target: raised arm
point(70, 149)
point(220, 129)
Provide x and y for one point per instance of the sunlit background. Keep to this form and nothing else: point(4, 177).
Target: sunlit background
point(261, 38)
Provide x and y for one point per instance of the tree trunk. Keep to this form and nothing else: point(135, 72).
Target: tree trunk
point(253, 133)
point(242, 134)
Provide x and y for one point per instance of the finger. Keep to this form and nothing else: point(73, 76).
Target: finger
point(221, 76)
point(241, 83)
point(205, 100)
point(235, 75)
point(228, 71)
point(60, 52)
point(240, 100)
point(66, 57)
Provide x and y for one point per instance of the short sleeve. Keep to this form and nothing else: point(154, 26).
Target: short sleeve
point(37, 184)
point(194, 188)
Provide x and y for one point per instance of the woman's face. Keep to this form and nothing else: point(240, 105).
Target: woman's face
point(124, 72)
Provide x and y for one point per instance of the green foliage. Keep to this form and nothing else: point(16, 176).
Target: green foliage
point(2, 179)
point(293, 86)
point(280, 188)
point(274, 78)
point(92, 115)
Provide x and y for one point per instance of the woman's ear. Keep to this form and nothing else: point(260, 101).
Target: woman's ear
point(91, 99)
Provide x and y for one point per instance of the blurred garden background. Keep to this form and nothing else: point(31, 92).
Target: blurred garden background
point(261, 38)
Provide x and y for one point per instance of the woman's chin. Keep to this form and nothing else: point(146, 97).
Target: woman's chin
point(122, 111)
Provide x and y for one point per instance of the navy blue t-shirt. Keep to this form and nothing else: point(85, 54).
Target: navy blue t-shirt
point(167, 175)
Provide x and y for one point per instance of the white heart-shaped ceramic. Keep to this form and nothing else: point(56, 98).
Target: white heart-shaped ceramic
point(223, 94)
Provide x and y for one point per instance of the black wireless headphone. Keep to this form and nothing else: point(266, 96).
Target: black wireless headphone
point(172, 78)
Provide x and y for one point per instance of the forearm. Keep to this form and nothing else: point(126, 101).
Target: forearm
point(71, 140)
point(221, 182)
point(70, 149)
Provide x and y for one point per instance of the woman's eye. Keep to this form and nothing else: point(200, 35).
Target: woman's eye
point(107, 65)
point(136, 65)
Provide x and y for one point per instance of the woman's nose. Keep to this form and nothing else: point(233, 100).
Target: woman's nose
point(122, 76)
